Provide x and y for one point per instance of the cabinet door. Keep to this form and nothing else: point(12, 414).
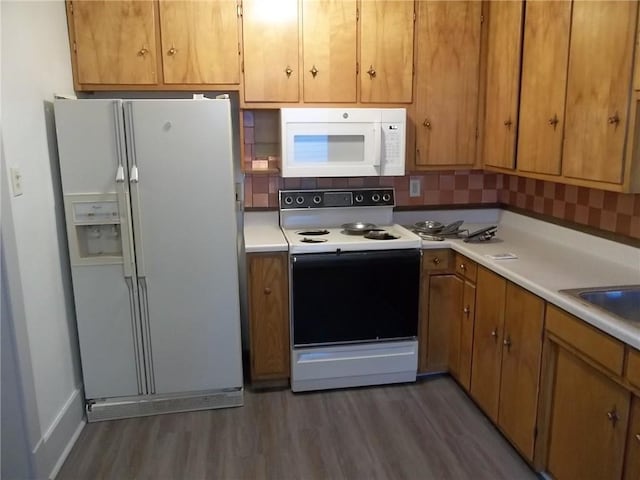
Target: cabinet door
point(270, 39)
point(447, 75)
point(588, 422)
point(386, 51)
point(200, 41)
point(632, 462)
point(520, 372)
point(455, 326)
point(487, 341)
point(466, 333)
point(503, 77)
point(542, 89)
point(115, 42)
point(598, 84)
point(329, 50)
point(445, 296)
point(269, 316)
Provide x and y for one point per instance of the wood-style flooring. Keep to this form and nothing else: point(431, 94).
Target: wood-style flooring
point(427, 430)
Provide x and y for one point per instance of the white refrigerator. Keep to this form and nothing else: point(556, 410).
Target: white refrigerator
point(150, 210)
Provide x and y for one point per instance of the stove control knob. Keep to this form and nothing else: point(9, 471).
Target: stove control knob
point(386, 197)
point(375, 197)
point(359, 198)
point(300, 200)
point(288, 200)
point(317, 199)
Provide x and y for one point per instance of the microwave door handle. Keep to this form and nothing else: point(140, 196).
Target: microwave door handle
point(377, 145)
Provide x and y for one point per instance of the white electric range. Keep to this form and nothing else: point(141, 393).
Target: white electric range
point(353, 299)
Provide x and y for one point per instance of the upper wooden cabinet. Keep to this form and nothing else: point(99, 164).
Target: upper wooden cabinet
point(113, 42)
point(329, 32)
point(598, 85)
point(386, 51)
point(502, 82)
point(270, 45)
point(200, 42)
point(447, 79)
point(544, 77)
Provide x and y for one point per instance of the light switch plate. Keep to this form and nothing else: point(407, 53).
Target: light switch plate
point(16, 181)
point(415, 186)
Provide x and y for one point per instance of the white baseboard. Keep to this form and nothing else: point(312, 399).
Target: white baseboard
point(56, 443)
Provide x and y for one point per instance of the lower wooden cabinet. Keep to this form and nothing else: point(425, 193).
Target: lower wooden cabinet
point(589, 420)
point(632, 462)
point(269, 316)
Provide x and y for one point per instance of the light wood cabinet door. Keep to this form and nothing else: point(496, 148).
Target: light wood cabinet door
point(445, 297)
point(386, 51)
point(268, 316)
point(468, 314)
point(200, 42)
point(520, 371)
point(632, 462)
point(455, 326)
point(598, 86)
point(329, 45)
point(447, 78)
point(588, 422)
point(542, 88)
point(115, 42)
point(502, 80)
point(270, 46)
point(487, 341)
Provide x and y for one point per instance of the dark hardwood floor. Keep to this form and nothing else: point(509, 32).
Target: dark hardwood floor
point(427, 430)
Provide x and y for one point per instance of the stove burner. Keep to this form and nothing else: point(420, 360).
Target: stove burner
point(380, 235)
point(314, 240)
point(314, 232)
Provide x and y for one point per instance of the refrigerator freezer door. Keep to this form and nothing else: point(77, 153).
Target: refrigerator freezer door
point(107, 335)
point(185, 238)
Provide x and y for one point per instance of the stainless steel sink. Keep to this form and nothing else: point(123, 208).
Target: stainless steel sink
point(621, 301)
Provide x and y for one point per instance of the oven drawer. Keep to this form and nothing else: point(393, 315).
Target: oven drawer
point(339, 298)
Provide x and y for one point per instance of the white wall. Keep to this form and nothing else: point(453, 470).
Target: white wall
point(35, 64)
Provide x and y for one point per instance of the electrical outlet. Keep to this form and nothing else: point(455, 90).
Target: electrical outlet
point(16, 181)
point(415, 186)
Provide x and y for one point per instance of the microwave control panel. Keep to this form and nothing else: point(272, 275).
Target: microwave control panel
point(393, 143)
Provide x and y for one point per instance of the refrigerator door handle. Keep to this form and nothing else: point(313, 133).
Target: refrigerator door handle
point(136, 330)
point(119, 133)
point(133, 177)
point(146, 329)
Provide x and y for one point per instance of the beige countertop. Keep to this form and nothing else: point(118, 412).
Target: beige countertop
point(550, 258)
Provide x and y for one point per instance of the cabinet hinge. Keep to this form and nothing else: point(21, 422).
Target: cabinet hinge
point(477, 133)
point(357, 68)
point(75, 47)
point(242, 66)
point(71, 8)
point(481, 18)
point(238, 48)
point(414, 16)
point(239, 9)
point(357, 14)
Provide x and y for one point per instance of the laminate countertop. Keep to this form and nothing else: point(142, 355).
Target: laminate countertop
point(550, 258)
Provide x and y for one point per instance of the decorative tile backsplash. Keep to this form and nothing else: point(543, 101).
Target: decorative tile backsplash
point(613, 212)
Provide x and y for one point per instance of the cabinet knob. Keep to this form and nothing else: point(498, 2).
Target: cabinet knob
point(638, 436)
point(142, 52)
point(371, 72)
point(288, 71)
point(507, 343)
point(494, 333)
point(508, 123)
point(463, 266)
point(436, 261)
point(614, 119)
point(553, 121)
point(172, 51)
point(314, 71)
point(427, 123)
point(267, 291)
point(466, 310)
point(612, 415)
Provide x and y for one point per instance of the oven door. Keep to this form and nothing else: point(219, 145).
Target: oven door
point(340, 298)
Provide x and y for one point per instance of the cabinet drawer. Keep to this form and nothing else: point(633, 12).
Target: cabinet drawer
point(466, 268)
point(633, 367)
point(597, 345)
point(436, 259)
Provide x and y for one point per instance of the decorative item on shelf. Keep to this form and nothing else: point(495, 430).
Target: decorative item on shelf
point(264, 164)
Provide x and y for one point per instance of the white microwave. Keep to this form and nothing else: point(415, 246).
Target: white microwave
point(343, 142)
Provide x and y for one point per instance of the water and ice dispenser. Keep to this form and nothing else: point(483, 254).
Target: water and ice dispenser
point(94, 229)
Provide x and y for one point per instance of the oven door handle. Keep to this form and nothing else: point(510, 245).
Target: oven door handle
point(339, 257)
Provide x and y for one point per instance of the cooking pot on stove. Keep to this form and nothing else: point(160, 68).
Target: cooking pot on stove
point(428, 226)
point(358, 228)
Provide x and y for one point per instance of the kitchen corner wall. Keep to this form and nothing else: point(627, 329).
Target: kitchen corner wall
point(609, 211)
